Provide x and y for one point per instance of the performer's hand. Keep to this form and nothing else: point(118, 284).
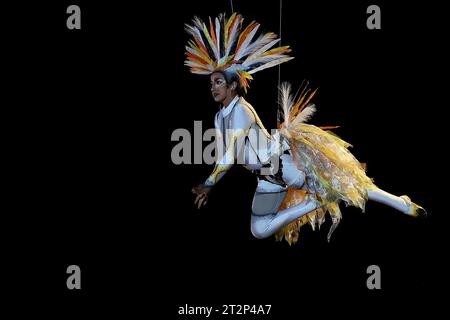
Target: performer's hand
point(202, 193)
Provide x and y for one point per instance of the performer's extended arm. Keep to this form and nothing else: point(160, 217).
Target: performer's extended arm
point(240, 123)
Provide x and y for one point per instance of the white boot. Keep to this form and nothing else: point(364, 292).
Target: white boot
point(414, 209)
point(403, 203)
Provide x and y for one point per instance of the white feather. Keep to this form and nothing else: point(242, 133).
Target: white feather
point(259, 43)
point(261, 50)
point(193, 64)
point(246, 43)
point(286, 101)
point(233, 35)
point(218, 38)
point(305, 115)
point(264, 59)
point(271, 64)
point(201, 72)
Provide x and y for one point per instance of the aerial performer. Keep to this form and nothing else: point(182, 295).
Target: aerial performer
point(303, 171)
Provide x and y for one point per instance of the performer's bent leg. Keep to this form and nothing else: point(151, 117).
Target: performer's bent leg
point(266, 221)
point(403, 203)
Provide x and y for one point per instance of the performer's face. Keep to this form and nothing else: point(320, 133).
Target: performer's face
point(220, 90)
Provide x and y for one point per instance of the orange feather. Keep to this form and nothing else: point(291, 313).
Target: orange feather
point(211, 31)
point(245, 34)
point(307, 100)
point(278, 50)
point(328, 127)
point(196, 58)
point(202, 47)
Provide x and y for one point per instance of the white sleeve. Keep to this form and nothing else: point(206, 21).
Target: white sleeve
point(240, 122)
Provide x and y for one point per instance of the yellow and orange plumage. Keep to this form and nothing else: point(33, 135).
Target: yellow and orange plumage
point(332, 173)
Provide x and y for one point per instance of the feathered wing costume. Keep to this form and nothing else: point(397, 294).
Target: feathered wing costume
point(332, 173)
point(223, 45)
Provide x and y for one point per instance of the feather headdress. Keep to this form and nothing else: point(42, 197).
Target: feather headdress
point(225, 46)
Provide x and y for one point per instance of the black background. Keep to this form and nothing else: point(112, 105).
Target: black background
point(94, 185)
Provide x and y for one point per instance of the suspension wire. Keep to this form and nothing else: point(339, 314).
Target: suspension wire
point(279, 68)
